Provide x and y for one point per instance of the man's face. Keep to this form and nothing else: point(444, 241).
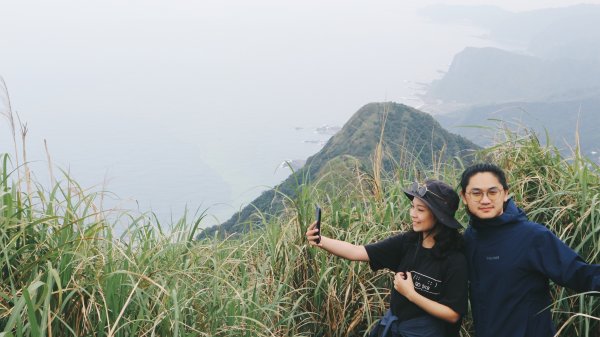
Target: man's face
point(484, 196)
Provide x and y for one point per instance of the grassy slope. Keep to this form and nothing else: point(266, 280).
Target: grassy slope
point(64, 274)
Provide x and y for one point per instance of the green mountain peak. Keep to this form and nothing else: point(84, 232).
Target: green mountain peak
point(406, 134)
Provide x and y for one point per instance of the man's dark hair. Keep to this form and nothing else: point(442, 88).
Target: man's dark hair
point(480, 168)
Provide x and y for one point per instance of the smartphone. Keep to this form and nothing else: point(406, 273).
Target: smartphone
point(318, 219)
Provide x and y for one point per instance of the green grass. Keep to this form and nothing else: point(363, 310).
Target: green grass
point(65, 273)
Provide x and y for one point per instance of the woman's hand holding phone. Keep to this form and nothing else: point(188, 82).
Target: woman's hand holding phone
point(313, 233)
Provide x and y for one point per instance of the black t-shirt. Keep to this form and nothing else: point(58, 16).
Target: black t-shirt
point(443, 280)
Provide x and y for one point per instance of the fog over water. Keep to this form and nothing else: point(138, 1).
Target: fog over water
point(175, 103)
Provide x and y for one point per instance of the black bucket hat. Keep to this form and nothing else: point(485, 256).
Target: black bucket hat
point(441, 199)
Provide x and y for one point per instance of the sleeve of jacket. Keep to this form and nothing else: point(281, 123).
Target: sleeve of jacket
point(553, 258)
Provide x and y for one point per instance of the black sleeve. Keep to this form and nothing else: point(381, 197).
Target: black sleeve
point(456, 284)
point(386, 253)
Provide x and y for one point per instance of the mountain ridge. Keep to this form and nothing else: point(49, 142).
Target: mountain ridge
point(408, 134)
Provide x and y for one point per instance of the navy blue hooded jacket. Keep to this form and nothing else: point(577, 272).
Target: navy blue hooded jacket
point(510, 261)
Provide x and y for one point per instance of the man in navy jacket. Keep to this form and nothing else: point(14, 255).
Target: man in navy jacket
point(512, 259)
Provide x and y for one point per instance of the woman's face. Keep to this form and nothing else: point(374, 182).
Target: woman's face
point(423, 219)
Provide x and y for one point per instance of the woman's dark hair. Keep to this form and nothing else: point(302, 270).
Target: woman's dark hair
point(480, 168)
point(446, 239)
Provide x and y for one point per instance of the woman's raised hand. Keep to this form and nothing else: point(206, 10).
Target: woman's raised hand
point(312, 234)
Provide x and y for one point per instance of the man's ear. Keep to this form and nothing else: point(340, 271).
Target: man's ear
point(463, 198)
point(506, 195)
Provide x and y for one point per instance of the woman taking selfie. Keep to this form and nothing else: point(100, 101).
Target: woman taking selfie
point(430, 285)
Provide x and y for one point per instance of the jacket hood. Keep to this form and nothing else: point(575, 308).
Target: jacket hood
point(512, 214)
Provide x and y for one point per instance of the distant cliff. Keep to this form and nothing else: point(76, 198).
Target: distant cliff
point(552, 84)
point(559, 56)
point(407, 133)
point(491, 75)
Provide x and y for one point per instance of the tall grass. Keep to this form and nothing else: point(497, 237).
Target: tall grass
point(65, 273)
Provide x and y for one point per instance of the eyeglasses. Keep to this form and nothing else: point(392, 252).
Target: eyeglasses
point(421, 190)
point(492, 194)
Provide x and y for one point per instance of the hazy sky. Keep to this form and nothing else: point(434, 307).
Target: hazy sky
point(101, 80)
